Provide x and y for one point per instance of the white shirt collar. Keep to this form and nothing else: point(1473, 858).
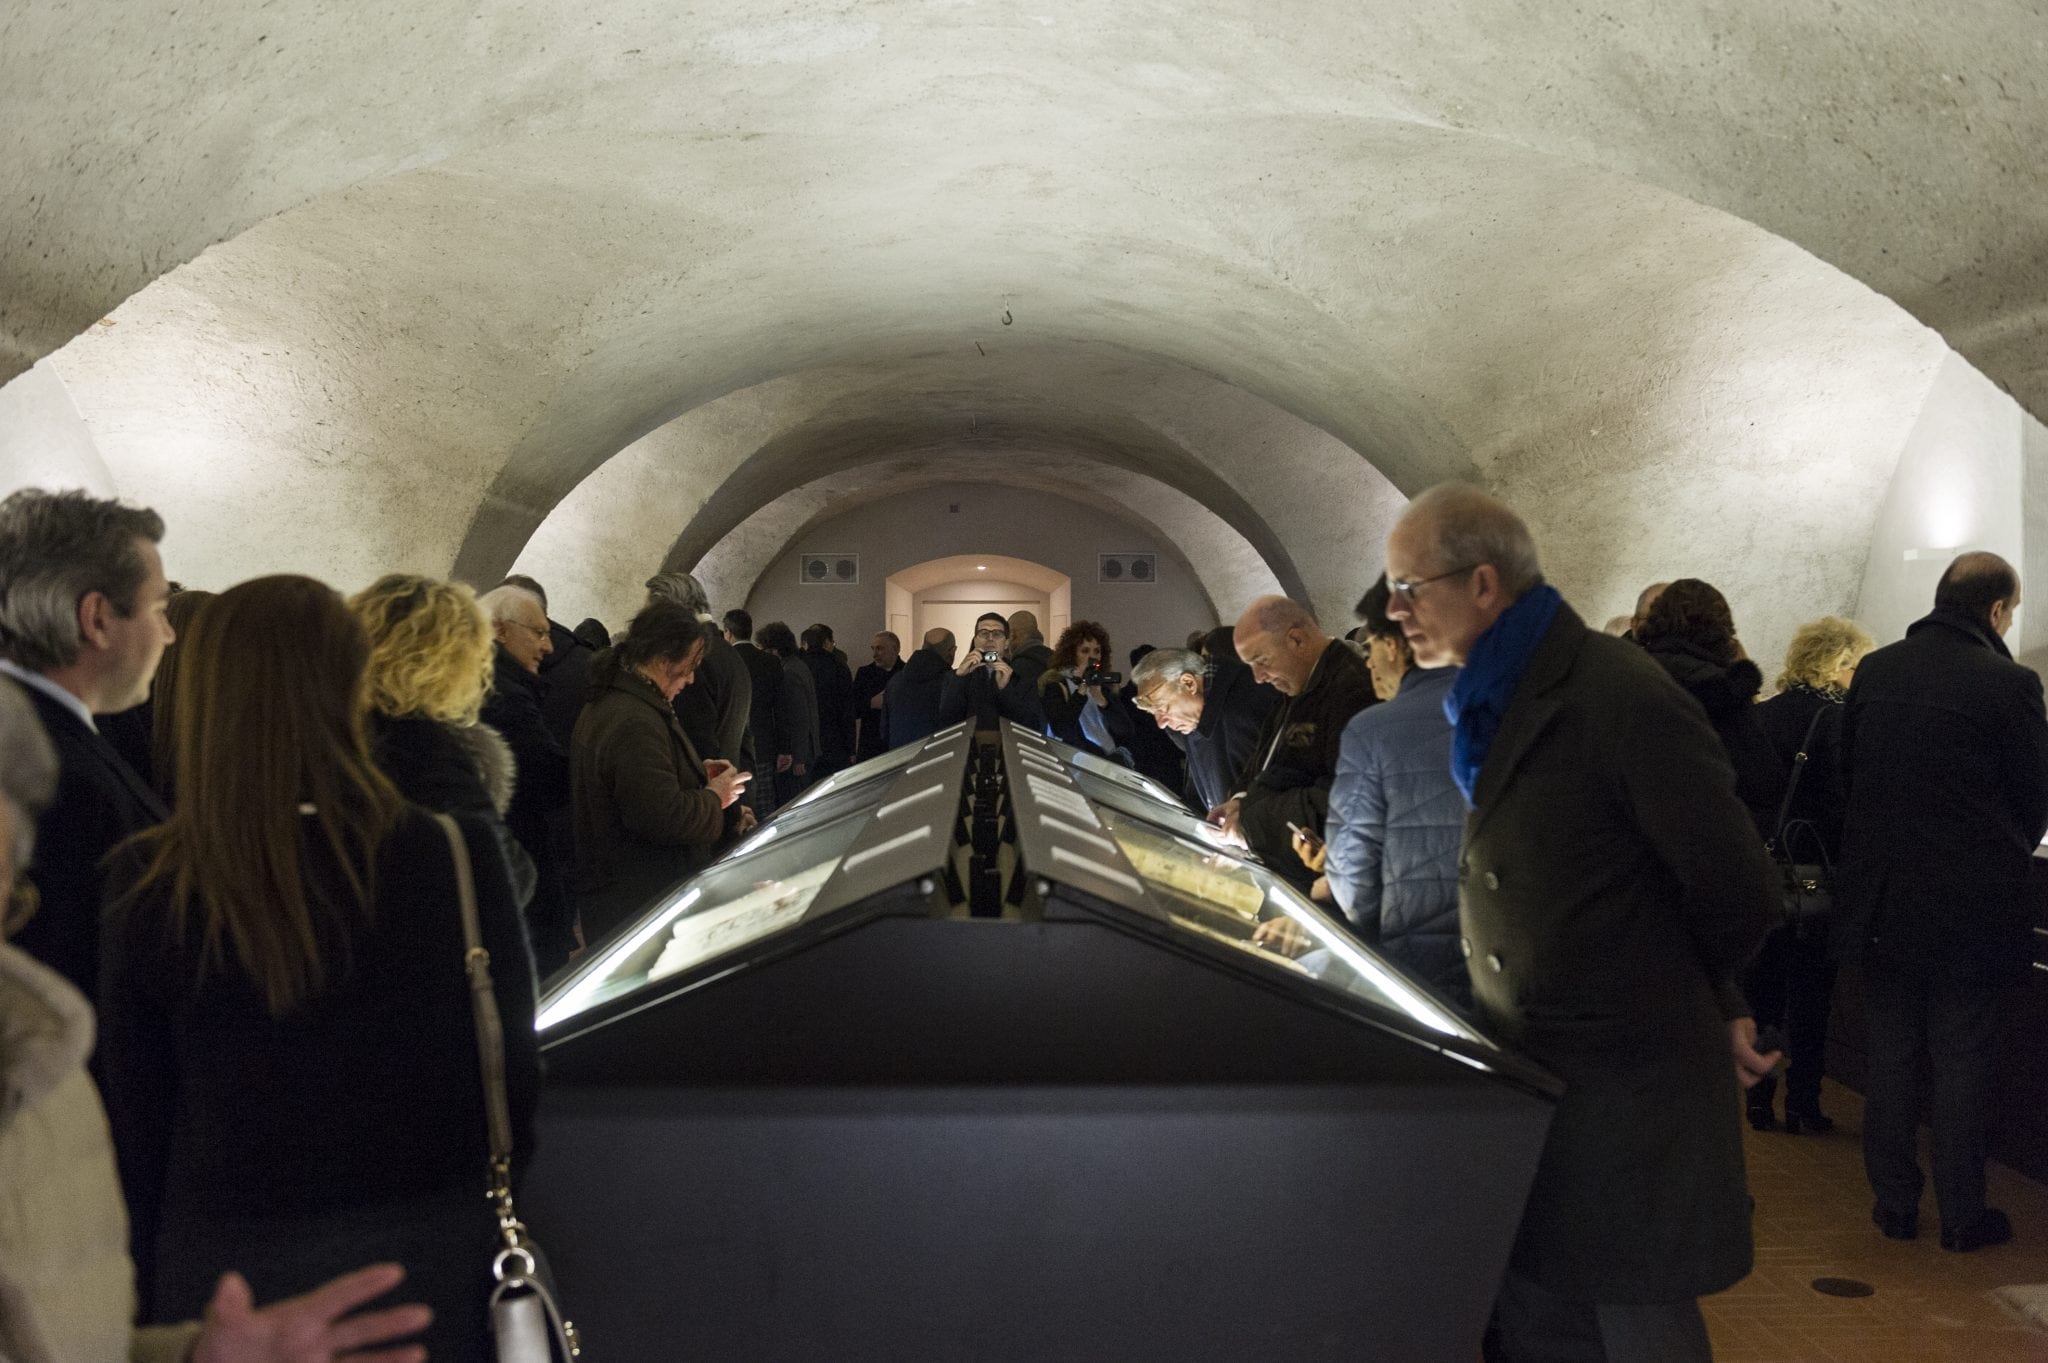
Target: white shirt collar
point(49, 688)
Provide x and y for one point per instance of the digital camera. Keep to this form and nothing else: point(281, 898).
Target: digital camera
point(990, 658)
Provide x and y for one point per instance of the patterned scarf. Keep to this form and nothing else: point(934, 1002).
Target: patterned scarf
point(1478, 700)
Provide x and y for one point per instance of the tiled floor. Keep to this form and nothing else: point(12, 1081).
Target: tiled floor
point(1813, 1221)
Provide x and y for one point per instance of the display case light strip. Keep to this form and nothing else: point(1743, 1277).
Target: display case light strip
point(931, 762)
point(1111, 874)
point(886, 810)
point(1412, 1003)
point(572, 1002)
point(902, 840)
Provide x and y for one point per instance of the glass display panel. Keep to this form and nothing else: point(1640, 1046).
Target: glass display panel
point(797, 816)
point(741, 899)
point(1247, 907)
point(1122, 775)
point(1173, 815)
point(896, 759)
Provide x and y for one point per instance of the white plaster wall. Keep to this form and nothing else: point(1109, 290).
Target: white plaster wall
point(1958, 485)
point(1064, 536)
point(43, 440)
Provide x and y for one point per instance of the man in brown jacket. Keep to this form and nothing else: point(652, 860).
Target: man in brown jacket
point(648, 812)
point(1610, 886)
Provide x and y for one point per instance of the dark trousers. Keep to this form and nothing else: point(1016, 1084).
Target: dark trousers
point(1790, 984)
point(1532, 1324)
point(1955, 1023)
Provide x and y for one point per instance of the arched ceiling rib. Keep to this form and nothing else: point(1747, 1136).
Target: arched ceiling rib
point(1896, 142)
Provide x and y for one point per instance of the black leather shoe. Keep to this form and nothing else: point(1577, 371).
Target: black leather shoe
point(1896, 1225)
point(1813, 1120)
point(1992, 1227)
point(1761, 1118)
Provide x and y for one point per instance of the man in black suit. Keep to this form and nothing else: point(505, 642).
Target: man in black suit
point(541, 792)
point(1945, 758)
point(910, 702)
point(82, 624)
point(768, 733)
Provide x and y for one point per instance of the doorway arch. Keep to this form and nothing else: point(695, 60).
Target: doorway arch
point(943, 591)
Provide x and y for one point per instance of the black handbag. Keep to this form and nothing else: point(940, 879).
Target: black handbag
point(527, 1325)
point(1806, 874)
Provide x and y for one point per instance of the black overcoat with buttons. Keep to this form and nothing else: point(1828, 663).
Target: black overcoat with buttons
point(1611, 886)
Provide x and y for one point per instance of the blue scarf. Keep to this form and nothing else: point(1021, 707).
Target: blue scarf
point(1478, 700)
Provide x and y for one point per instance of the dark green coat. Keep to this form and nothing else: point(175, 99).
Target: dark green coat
point(644, 817)
point(1611, 884)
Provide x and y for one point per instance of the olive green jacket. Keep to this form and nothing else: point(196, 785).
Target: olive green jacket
point(644, 817)
point(1611, 884)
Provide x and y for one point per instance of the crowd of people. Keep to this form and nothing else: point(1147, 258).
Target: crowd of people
point(226, 821)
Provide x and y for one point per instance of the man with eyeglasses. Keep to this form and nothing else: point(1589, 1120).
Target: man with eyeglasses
point(1610, 886)
point(1284, 791)
point(985, 688)
point(513, 708)
point(1213, 704)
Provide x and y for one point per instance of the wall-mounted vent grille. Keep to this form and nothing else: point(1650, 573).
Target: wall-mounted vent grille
point(828, 570)
point(1127, 568)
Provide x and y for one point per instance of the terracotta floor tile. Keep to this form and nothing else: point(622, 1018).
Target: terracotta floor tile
point(1813, 1221)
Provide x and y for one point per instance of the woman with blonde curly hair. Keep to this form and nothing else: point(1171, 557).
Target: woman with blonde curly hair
point(429, 668)
point(1793, 977)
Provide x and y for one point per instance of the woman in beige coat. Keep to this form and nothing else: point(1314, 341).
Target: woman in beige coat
point(67, 1289)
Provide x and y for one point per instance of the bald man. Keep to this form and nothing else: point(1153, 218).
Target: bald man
point(910, 702)
point(1286, 785)
point(1029, 655)
point(1945, 755)
point(1610, 884)
point(1645, 599)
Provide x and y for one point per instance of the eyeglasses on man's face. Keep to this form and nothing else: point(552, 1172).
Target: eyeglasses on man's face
point(535, 631)
point(992, 633)
point(1403, 591)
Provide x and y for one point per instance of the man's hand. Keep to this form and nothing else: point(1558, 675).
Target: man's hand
point(796, 769)
point(1283, 935)
point(967, 665)
point(747, 822)
point(782, 762)
point(1751, 1065)
point(310, 1329)
point(875, 701)
point(1320, 891)
point(1003, 672)
point(1309, 848)
point(1224, 816)
point(724, 782)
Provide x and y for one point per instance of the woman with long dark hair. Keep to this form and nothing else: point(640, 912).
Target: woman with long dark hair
point(289, 1057)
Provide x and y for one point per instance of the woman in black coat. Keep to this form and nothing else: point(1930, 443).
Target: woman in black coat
point(1691, 634)
point(1792, 980)
point(430, 666)
point(289, 1060)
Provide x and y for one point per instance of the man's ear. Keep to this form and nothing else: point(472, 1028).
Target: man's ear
point(1486, 581)
point(95, 613)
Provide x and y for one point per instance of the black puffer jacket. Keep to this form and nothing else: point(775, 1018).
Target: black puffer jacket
point(1727, 692)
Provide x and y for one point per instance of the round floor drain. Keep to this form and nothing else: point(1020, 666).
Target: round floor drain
point(1843, 1287)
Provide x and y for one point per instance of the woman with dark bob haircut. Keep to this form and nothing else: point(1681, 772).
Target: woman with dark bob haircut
point(290, 1061)
point(1691, 633)
point(1078, 711)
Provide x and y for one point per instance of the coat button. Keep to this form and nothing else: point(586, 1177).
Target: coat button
point(1465, 945)
point(1493, 962)
point(1492, 881)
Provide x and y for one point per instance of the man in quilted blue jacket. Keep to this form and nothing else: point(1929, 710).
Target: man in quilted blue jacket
point(1396, 817)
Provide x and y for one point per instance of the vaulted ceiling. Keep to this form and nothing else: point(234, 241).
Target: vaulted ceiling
point(603, 287)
